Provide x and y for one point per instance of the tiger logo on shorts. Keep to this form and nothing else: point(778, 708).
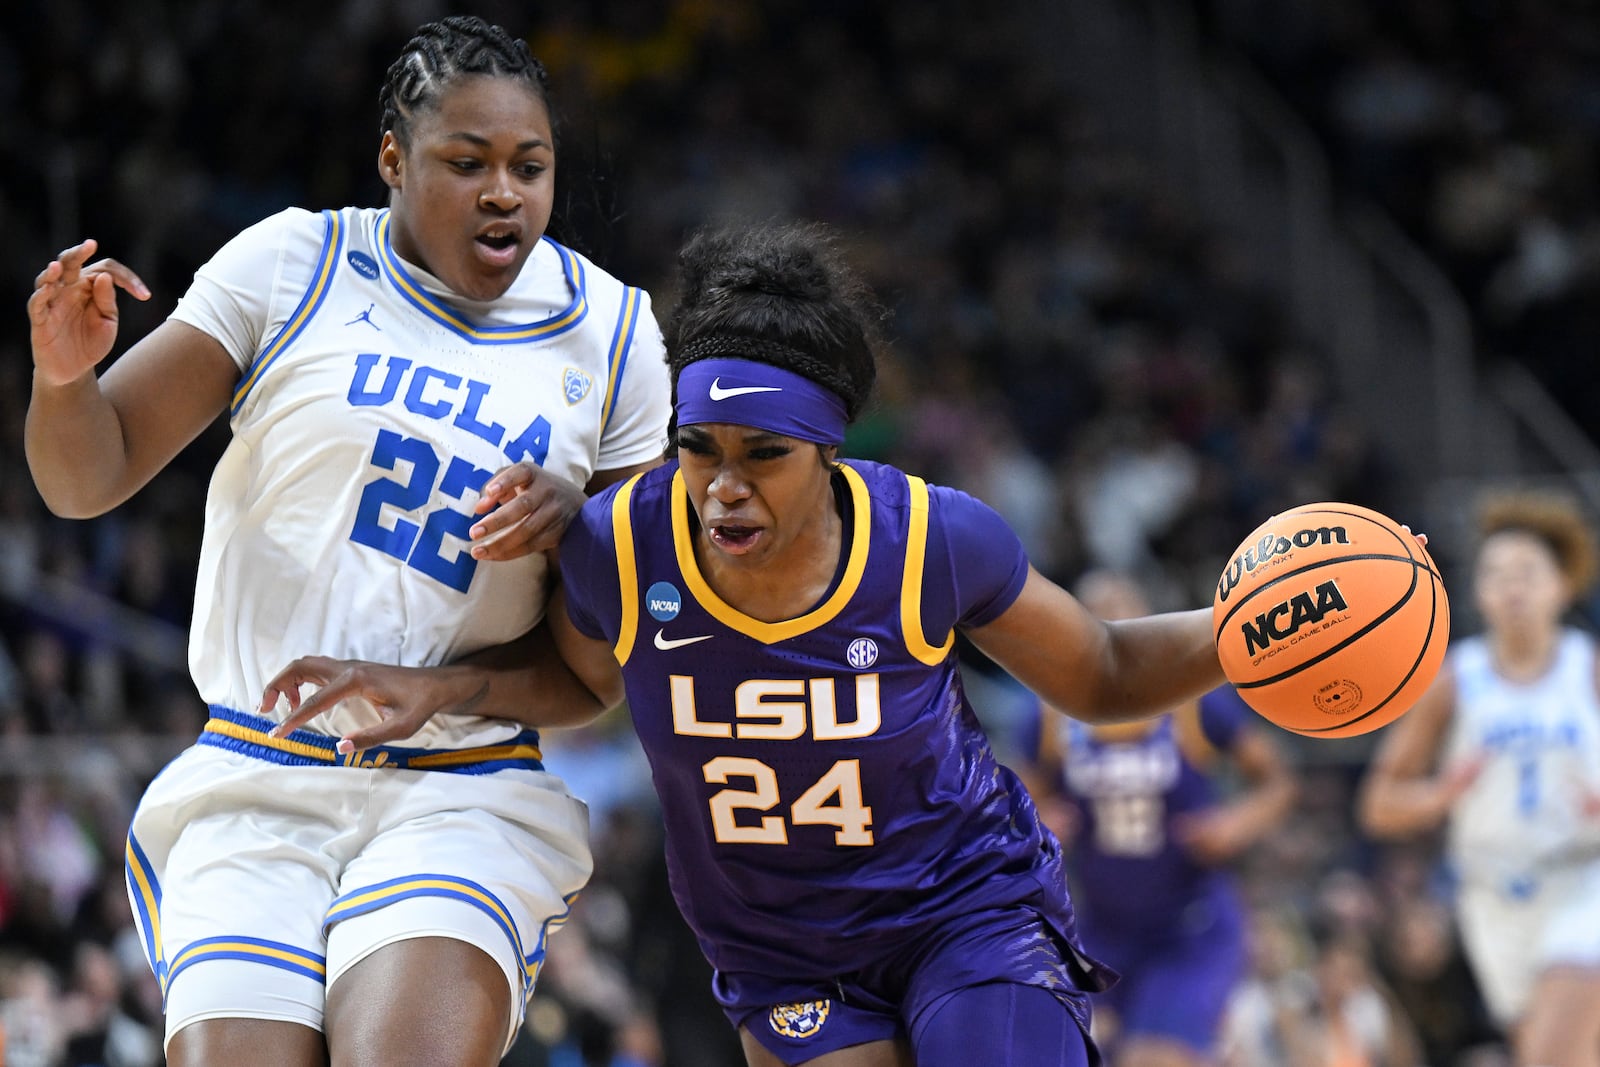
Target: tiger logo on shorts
point(802, 1019)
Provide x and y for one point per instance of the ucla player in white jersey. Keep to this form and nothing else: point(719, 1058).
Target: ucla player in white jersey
point(1505, 748)
point(377, 367)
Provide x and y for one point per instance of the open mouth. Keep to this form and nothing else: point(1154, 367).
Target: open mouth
point(498, 241)
point(735, 538)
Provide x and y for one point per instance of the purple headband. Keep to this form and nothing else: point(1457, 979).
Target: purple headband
point(749, 393)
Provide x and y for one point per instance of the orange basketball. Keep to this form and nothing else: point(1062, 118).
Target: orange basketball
point(1330, 620)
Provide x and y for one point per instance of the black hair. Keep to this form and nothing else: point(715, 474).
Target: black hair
point(778, 293)
point(442, 51)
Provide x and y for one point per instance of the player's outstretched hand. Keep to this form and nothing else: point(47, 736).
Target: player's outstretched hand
point(525, 509)
point(405, 697)
point(72, 313)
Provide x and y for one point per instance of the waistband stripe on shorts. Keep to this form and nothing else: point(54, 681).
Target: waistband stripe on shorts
point(249, 735)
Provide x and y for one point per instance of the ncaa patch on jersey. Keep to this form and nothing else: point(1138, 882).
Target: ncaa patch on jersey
point(363, 264)
point(804, 1019)
point(575, 385)
point(663, 601)
point(862, 653)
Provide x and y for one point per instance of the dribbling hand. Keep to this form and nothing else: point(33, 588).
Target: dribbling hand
point(73, 312)
point(525, 509)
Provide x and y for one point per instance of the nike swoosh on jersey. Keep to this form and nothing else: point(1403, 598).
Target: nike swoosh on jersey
point(667, 645)
point(719, 393)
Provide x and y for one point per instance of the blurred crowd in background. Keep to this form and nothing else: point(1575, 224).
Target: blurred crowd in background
point(1067, 344)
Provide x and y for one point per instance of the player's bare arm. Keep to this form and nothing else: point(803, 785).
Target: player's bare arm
point(523, 681)
point(1402, 794)
point(1223, 833)
point(92, 442)
point(1095, 670)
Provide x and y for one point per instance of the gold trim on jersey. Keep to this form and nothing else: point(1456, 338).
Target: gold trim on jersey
point(308, 306)
point(772, 632)
point(442, 313)
point(911, 579)
point(627, 571)
point(632, 301)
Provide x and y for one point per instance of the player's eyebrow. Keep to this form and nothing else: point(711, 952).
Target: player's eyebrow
point(483, 142)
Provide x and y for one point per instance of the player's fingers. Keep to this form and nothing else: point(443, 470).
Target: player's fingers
point(50, 274)
point(394, 727)
point(103, 287)
point(122, 275)
point(342, 687)
point(1422, 538)
point(525, 525)
point(307, 670)
point(508, 483)
point(72, 260)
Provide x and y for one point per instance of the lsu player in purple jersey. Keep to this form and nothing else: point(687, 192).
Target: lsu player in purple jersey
point(1503, 751)
point(870, 884)
point(377, 366)
point(1149, 837)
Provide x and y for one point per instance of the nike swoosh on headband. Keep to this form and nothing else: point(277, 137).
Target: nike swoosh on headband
point(719, 393)
point(667, 645)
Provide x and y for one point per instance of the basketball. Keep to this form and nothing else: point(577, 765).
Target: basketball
point(1330, 620)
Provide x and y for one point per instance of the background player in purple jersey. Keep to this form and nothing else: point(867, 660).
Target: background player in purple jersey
point(1149, 836)
point(870, 884)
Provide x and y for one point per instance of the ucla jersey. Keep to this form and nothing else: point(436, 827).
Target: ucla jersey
point(1131, 783)
point(372, 407)
point(1542, 739)
point(827, 790)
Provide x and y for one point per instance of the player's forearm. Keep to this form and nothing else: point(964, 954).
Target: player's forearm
point(1154, 663)
point(525, 681)
point(1389, 807)
point(75, 449)
point(1264, 807)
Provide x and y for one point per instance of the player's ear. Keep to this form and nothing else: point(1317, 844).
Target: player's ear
point(829, 454)
point(390, 160)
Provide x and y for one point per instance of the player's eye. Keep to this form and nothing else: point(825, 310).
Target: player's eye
point(695, 446)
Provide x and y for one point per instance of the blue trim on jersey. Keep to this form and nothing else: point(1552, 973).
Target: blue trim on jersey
point(534, 963)
point(145, 891)
point(433, 308)
point(621, 345)
point(303, 313)
point(248, 735)
point(371, 898)
point(250, 950)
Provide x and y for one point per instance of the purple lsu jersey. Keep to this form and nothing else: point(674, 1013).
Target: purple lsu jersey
point(1131, 784)
point(829, 796)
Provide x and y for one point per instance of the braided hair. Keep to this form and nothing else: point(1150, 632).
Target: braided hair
point(780, 294)
point(442, 51)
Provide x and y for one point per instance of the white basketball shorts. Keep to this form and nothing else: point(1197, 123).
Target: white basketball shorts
point(260, 870)
point(1511, 937)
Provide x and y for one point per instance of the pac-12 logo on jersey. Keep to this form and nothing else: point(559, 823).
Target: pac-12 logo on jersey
point(663, 601)
point(803, 1019)
point(363, 264)
point(575, 385)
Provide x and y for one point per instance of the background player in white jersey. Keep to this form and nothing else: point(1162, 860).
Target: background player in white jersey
point(376, 367)
point(1505, 747)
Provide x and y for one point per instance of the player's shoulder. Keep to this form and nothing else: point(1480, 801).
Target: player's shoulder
point(287, 229)
point(649, 490)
